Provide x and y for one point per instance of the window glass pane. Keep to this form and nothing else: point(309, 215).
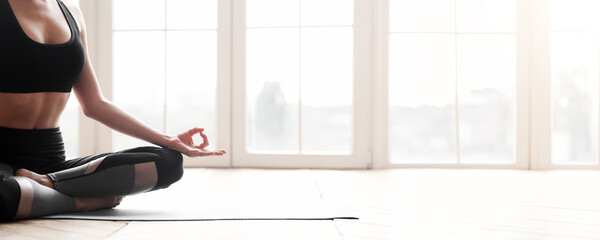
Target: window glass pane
point(421, 16)
point(421, 97)
point(272, 87)
point(326, 12)
point(327, 90)
point(69, 126)
point(138, 14)
point(575, 72)
point(575, 15)
point(272, 13)
point(486, 97)
point(139, 79)
point(191, 14)
point(486, 15)
point(191, 82)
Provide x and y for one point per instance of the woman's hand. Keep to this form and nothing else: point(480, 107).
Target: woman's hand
point(185, 144)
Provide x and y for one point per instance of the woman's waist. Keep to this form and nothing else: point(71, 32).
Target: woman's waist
point(15, 140)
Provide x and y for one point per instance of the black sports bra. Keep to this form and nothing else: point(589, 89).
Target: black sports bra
point(27, 66)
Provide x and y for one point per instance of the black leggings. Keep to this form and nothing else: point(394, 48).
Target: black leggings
point(104, 175)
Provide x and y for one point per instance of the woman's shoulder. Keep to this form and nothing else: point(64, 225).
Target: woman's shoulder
point(75, 11)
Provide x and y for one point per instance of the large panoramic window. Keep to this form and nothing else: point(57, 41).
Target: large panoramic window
point(336, 83)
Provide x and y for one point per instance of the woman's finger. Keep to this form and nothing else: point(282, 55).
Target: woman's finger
point(204, 143)
point(186, 139)
point(195, 130)
point(187, 136)
point(201, 153)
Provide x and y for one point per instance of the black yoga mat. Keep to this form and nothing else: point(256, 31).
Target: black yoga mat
point(198, 198)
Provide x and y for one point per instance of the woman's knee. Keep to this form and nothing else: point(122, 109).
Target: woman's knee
point(169, 167)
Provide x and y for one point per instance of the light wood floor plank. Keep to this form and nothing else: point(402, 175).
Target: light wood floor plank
point(234, 230)
point(59, 229)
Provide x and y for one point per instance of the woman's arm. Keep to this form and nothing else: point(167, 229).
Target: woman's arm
point(94, 105)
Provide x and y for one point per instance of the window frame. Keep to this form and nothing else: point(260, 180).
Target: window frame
point(541, 140)
point(522, 124)
point(360, 156)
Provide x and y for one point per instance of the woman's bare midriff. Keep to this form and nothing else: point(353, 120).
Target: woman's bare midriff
point(32, 110)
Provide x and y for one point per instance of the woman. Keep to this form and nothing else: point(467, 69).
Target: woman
point(43, 56)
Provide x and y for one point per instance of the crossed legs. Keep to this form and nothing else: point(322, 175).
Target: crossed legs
point(88, 183)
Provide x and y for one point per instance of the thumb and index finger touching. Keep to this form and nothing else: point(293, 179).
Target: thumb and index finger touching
point(199, 131)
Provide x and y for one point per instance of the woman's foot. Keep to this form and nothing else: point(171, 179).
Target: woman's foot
point(41, 179)
point(89, 204)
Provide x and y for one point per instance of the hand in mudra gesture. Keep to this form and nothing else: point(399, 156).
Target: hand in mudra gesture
point(184, 143)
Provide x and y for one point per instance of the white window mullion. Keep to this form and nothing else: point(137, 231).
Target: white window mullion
point(238, 88)
point(524, 81)
point(540, 80)
point(380, 119)
point(300, 122)
point(364, 100)
point(224, 82)
point(166, 76)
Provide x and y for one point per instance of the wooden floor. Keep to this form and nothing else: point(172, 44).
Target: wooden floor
point(391, 204)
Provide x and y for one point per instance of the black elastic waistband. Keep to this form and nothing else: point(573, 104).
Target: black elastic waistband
point(18, 138)
point(25, 145)
point(29, 131)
